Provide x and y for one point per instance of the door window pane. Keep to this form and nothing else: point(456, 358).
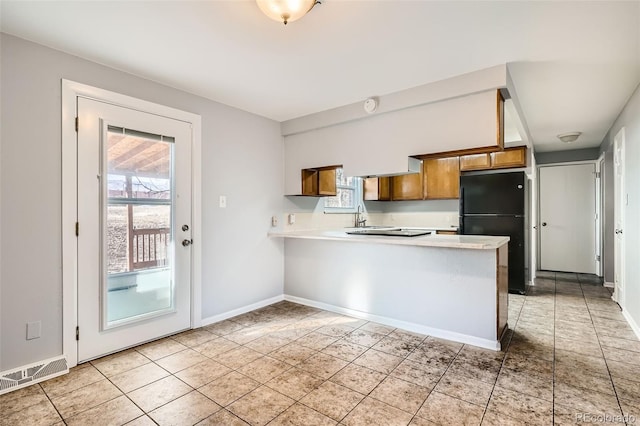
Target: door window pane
point(138, 225)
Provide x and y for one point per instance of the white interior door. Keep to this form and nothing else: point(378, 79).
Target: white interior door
point(568, 218)
point(134, 215)
point(620, 204)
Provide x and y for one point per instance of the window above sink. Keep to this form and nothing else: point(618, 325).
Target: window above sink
point(348, 197)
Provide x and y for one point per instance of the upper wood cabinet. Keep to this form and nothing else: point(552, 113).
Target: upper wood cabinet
point(320, 181)
point(475, 162)
point(309, 182)
point(441, 178)
point(505, 159)
point(407, 187)
point(510, 157)
point(327, 182)
point(376, 189)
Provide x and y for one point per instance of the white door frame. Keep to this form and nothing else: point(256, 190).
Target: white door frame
point(619, 212)
point(598, 231)
point(600, 208)
point(596, 228)
point(70, 91)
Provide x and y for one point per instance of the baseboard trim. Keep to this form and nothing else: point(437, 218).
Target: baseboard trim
point(632, 323)
point(241, 310)
point(409, 326)
point(30, 374)
point(608, 284)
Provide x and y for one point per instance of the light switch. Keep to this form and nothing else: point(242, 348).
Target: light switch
point(223, 201)
point(274, 221)
point(292, 218)
point(33, 330)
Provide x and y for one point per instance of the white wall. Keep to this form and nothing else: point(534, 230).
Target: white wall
point(242, 158)
point(629, 118)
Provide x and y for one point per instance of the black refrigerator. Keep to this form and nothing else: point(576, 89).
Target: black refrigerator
point(497, 204)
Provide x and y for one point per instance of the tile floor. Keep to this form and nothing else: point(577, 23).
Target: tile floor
point(570, 356)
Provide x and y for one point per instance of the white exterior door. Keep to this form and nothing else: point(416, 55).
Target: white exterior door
point(568, 218)
point(134, 215)
point(620, 204)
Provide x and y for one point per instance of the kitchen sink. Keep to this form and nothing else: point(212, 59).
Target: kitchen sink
point(374, 227)
point(390, 232)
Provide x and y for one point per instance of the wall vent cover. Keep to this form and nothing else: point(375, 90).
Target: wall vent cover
point(32, 373)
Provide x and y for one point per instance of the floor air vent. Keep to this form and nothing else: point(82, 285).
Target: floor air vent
point(33, 373)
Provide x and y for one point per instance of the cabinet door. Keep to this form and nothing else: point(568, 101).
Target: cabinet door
point(475, 162)
point(327, 182)
point(441, 178)
point(309, 182)
point(370, 189)
point(376, 189)
point(510, 157)
point(407, 187)
point(384, 188)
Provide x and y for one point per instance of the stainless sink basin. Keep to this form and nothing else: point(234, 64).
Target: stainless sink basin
point(374, 227)
point(390, 232)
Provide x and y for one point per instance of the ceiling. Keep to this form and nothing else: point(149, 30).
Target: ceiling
point(574, 64)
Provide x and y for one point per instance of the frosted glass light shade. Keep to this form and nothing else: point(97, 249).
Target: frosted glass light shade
point(569, 137)
point(286, 10)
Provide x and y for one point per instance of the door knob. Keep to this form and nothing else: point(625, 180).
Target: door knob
point(187, 242)
point(544, 223)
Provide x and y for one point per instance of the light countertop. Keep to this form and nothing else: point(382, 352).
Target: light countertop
point(476, 242)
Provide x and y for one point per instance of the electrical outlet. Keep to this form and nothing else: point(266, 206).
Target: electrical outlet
point(223, 201)
point(274, 221)
point(292, 218)
point(34, 330)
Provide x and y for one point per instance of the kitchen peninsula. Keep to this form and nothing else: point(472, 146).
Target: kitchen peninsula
point(448, 286)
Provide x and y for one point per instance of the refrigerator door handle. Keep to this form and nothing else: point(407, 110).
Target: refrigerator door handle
point(461, 226)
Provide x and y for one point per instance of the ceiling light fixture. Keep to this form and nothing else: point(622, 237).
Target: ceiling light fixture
point(286, 10)
point(569, 137)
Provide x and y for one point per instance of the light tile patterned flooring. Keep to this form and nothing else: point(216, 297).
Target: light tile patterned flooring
point(570, 354)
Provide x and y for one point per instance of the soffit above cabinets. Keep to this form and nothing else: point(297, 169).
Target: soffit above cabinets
point(380, 145)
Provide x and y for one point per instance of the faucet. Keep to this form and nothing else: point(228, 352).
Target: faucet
point(358, 221)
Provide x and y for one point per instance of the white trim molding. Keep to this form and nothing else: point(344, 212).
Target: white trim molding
point(70, 92)
point(242, 310)
point(409, 326)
